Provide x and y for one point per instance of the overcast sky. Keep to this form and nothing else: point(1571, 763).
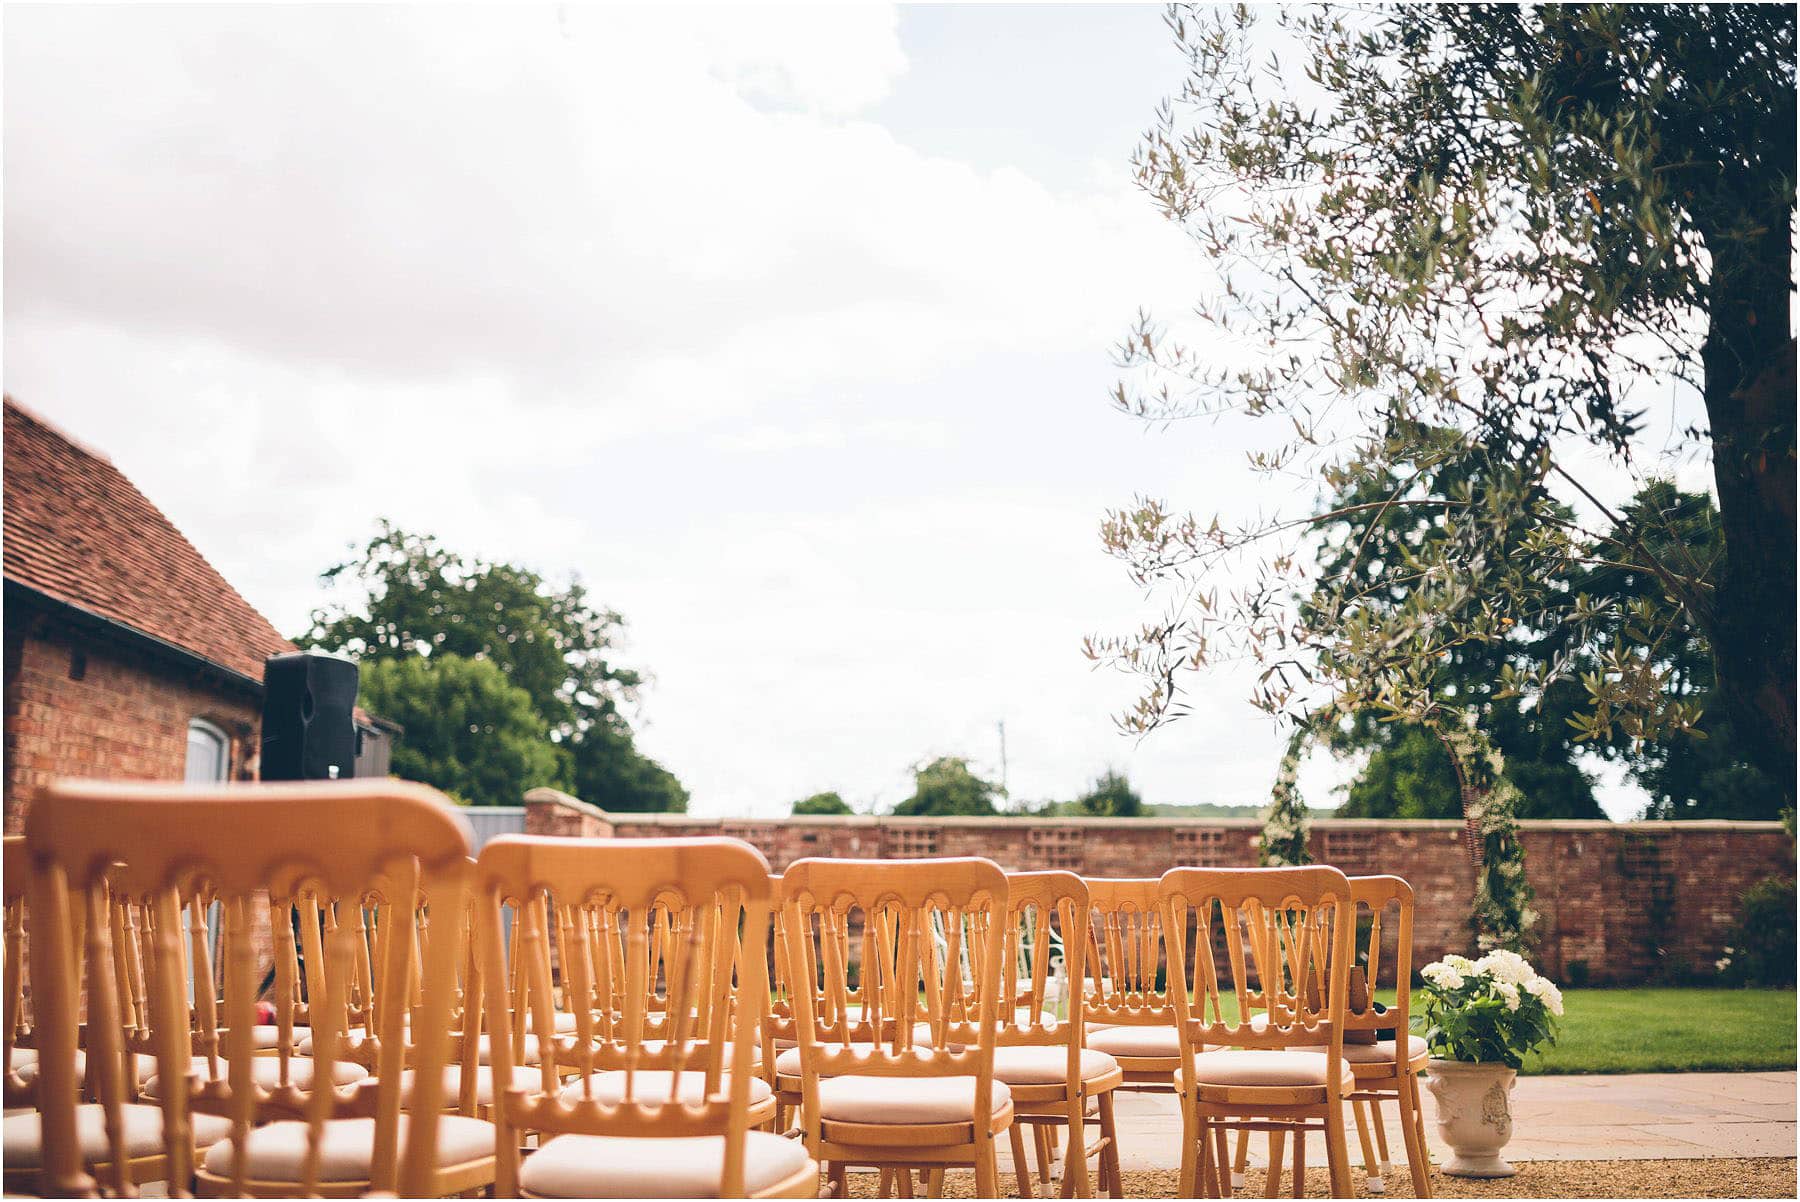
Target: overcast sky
point(787, 330)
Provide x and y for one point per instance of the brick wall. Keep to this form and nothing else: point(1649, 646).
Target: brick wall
point(1619, 902)
point(126, 717)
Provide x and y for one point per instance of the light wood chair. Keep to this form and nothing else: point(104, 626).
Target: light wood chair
point(158, 845)
point(1052, 1077)
point(19, 1036)
point(1127, 1010)
point(1381, 1072)
point(655, 1109)
point(1266, 1073)
point(890, 1100)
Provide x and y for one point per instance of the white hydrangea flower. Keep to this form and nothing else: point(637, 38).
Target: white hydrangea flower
point(1508, 967)
point(1461, 964)
point(1509, 993)
point(1546, 993)
point(1442, 975)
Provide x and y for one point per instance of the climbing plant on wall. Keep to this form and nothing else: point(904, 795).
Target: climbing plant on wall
point(1284, 822)
point(1502, 916)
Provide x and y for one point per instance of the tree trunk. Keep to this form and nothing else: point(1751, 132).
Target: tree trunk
point(1749, 364)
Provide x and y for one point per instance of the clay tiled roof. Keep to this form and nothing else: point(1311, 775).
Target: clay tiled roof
point(79, 531)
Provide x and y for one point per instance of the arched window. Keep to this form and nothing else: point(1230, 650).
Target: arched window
point(208, 753)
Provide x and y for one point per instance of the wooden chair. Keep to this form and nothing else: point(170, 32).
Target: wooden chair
point(1265, 1075)
point(1381, 1072)
point(889, 1100)
point(157, 845)
point(19, 1037)
point(1127, 1011)
point(655, 1110)
point(1052, 1077)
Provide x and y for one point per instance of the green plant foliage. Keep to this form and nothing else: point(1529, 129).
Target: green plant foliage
point(411, 598)
point(1111, 796)
point(1495, 1010)
point(1284, 822)
point(822, 803)
point(947, 786)
point(1453, 266)
point(467, 730)
point(1761, 951)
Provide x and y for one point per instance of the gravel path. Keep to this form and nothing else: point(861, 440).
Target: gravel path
point(1768, 1177)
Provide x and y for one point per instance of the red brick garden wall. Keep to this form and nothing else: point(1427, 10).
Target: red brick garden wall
point(1618, 902)
point(125, 718)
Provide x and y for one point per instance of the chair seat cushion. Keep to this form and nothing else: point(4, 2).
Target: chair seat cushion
point(902, 1100)
point(788, 1063)
point(21, 1056)
point(24, 1134)
point(601, 1166)
point(275, 1152)
point(651, 1088)
point(1255, 1069)
point(1047, 1065)
point(1138, 1043)
point(484, 1086)
point(266, 1072)
point(146, 1067)
point(1381, 1051)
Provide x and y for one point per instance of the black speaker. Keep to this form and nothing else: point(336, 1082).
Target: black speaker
point(309, 717)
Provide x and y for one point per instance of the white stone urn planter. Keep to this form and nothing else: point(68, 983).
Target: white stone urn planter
point(1474, 1115)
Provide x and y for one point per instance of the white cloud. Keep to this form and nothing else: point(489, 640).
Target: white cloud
point(639, 293)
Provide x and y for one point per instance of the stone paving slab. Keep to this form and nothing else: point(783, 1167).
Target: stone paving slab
point(1640, 1116)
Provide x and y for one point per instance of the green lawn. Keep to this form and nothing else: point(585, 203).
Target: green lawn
point(1671, 1030)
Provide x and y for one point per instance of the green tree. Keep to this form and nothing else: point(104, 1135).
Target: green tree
point(468, 731)
point(822, 803)
point(409, 597)
point(1111, 796)
point(947, 786)
point(1514, 225)
point(1703, 770)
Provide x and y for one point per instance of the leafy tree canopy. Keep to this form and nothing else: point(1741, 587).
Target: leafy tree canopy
point(468, 731)
point(1468, 247)
point(410, 597)
point(1111, 796)
point(947, 786)
point(822, 803)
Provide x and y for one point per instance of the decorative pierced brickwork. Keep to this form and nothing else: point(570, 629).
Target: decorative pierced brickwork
point(911, 842)
point(1057, 847)
point(1201, 847)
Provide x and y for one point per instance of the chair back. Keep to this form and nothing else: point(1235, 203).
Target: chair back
point(18, 1016)
point(1379, 901)
point(660, 946)
point(1044, 958)
point(1299, 923)
point(258, 851)
point(1124, 981)
point(896, 912)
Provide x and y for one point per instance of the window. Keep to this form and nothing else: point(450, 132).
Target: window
point(208, 753)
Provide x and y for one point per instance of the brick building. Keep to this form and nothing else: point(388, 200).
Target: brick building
point(127, 654)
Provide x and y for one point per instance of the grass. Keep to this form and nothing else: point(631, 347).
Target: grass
point(1671, 1030)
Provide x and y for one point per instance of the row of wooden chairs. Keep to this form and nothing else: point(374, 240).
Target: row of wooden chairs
point(594, 1004)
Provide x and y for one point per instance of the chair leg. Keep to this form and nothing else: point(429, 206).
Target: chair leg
point(1337, 1151)
point(903, 1177)
point(1112, 1184)
point(1381, 1144)
point(1240, 1164)
point(1045, 1156)
point(1189, 1181)
point(1359, 1110)
point(1021, 1166)
point(987, 1168)
point(1412, 1129)
point(934, 1183)
point(1277, 1146)
point(1205, 1174)
point(1222, 1149)
point(883, 1183)
point(838, 1179)
point(1299, 1169)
